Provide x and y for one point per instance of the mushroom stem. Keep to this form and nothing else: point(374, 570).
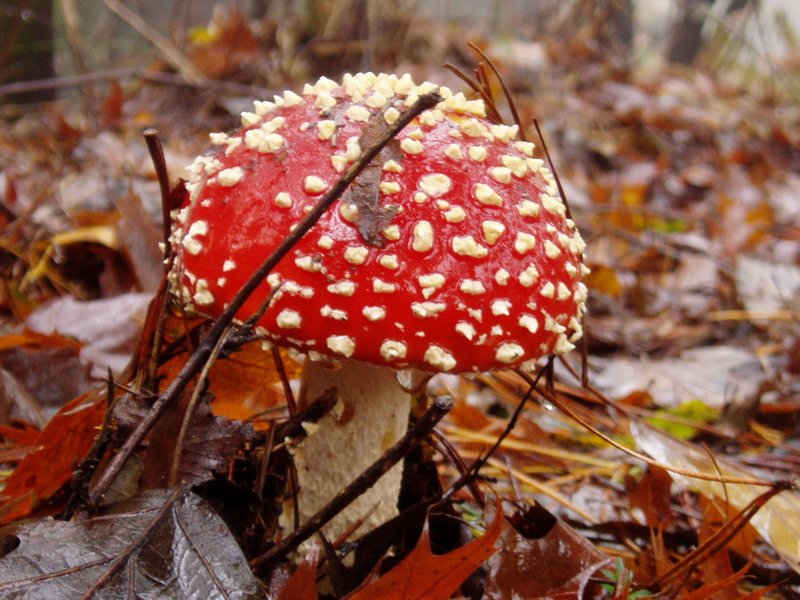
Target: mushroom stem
point(371, 414)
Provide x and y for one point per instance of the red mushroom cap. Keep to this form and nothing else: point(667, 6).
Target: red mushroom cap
point(451, 252)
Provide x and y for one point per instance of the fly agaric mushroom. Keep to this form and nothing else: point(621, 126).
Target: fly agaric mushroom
point(451, 252)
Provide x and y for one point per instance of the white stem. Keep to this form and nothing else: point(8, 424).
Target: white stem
point(370, 416)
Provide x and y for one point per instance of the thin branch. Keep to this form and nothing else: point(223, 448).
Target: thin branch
point(553, 398)
point(481, 461)
point(552, 167)
point(441, 406)
point(172, 55)
point(203, 351)
point(483, 91)
point(69, 13)
point(160, 164)
point(221, 86)
point(446, 449)
point(506, 92)
point(160, 304)
point(287, 388)
point(190, 409)
point(85, 469)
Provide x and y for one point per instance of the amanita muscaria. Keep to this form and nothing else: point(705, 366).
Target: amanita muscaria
point(451, 252)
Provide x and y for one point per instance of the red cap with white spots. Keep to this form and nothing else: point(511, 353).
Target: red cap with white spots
point(451, 252)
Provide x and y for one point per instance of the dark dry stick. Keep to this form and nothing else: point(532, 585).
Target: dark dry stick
point(446, 449)
point(441, 406)
point(173, 79)
point(287, 388)
point(720, 538)
point(159, 305)
point(203, 351)
point(85, 469)
point(483, 91)
point(552, 167)
point(191, 407)
point(159, 163)
point(479, 462)
point(506, 92)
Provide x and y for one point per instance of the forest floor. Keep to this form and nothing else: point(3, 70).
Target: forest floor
point(662, 456)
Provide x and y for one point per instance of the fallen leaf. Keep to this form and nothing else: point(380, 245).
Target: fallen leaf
point(765, 287)
point(717, 567)
point(140, 236)
point(62, 444)
point(651, 495)
point(47, 367)
point(246, 383)
point(210, 445)
point(692, 410)
point(107, 328)
point(778, 522)
point(540, 556)
point(163, 544)
point(302, 585)
point(23, 434)
point(425, 575)
point(713, 374)
point(717, 588)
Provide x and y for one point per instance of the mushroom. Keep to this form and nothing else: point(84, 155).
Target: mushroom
point(451, 252)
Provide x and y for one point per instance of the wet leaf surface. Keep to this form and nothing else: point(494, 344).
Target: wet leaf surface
point(539, 555)
point(49, 466)
point(423, 574)
point(165, 544)
point(209, 447)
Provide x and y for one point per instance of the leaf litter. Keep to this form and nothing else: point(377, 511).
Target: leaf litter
point(686, 189)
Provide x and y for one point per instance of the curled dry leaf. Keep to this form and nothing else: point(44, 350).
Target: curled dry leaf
point(425, 575)
point(108, 328)
point(541, 556)
point(778, 522)
point(61, 445)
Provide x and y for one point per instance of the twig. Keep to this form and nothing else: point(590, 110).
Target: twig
point(484, 92)
point(722, 536)
point(69, 13)
point(170, 52)
point(221, 86)
point(160, 164)
point(552, 167)
point(190, 409)
point(552, 398)
point(506, 92)
point(201, 354)
point(446, 449)
point(86, 468)
point(441, 406)
point(312, 413)
point(287, 389)
point(481, 461)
